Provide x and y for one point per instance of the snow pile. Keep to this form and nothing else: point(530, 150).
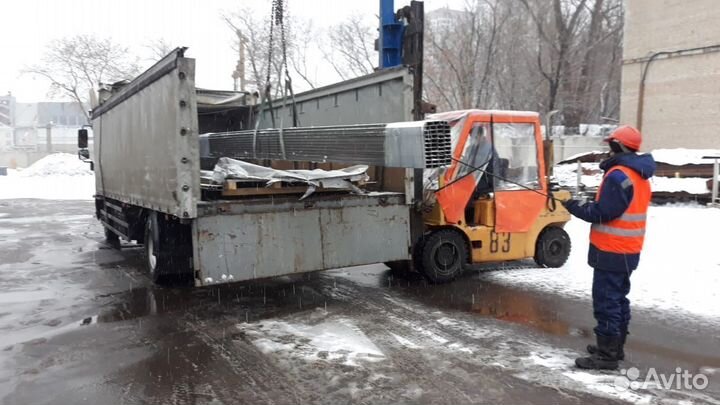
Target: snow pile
point(680, 156)
point(60, 176)
point(679, 268)
point(58, 164)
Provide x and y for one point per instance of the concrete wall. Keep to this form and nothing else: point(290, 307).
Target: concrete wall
point(29, 144)
point(567, 146)
point(682, 93)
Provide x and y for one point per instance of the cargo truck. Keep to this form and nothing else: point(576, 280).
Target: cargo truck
point(149, 185)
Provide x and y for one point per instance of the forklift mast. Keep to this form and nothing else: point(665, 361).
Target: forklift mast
point(391, 35)
point(401, 43)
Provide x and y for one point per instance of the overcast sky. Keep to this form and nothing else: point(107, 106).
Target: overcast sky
point(26, 26)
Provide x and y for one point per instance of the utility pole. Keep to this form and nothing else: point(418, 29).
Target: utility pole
point(239, 73)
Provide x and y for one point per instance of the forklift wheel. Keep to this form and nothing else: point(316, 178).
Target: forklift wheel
point(444, 253)
point(552, 247)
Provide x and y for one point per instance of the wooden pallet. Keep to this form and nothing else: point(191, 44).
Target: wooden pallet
point(233, 188)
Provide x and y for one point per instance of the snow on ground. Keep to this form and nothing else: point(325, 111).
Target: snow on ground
point(679, 268)
point(328, 340)
point(60, 176)
point(429, 335)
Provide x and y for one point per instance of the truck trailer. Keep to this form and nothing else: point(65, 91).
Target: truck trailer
point(150, 186)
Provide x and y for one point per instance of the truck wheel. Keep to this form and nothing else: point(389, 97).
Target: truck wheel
point(111, 238)
point(166, 252)
point(552, 247)
point(443, 256)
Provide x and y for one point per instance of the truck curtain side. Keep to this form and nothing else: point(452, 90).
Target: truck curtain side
point(148, 181)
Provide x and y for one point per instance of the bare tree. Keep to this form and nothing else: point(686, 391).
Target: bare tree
point(76, 65)
point(349, 48)
point(571, 34)
point(541, 56)
point(536, 55)
point(159, 48)
point(461, 52)
point(263, 64)
point(301, 60)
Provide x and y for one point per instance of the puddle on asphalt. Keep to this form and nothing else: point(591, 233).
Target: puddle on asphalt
point(471, 294)
point(246, 302)
point(496, 301)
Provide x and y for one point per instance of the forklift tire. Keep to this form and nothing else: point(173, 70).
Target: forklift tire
point(552, 247)
point(166, 257)
point(443, 255)
point(111, 238)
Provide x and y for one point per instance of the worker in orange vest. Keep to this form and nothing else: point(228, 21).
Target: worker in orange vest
point(618, 217)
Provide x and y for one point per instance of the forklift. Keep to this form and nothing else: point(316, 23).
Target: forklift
point(494, 203)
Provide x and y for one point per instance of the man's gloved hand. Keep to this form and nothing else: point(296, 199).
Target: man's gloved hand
point(571, 203)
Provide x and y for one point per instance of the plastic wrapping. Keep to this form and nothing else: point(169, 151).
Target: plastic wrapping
point(343, 179)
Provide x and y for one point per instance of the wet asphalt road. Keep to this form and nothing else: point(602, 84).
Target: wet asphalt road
point(81, 323)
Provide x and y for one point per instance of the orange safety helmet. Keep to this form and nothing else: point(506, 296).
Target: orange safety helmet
point(626, 135)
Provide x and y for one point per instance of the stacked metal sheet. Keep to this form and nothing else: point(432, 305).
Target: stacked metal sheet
point(417, 144)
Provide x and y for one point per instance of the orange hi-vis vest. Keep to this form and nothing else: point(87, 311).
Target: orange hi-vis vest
point(626, 233)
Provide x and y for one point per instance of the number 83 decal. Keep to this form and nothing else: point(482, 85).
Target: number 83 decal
point(499, 242)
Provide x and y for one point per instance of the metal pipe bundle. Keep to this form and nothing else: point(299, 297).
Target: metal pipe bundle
point(418, 144)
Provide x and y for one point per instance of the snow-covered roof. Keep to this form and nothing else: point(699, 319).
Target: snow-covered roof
point(681, 156)
point(675, 157)
point(582, 154)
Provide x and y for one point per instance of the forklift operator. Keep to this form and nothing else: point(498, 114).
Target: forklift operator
point(496, 166)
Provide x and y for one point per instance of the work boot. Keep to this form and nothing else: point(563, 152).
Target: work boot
point(606, 356)
point(621, 353)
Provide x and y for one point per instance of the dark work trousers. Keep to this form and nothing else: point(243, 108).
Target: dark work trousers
point(611, 306)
